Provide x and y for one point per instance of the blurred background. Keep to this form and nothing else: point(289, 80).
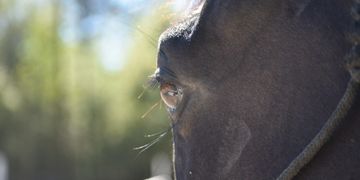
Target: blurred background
point(71, 72)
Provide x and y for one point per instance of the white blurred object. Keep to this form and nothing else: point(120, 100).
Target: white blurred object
point(3, 167)
point(160, 167)
point(161, 177)
point(180, 5)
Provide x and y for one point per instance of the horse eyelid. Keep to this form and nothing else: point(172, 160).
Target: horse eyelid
point(155, 81)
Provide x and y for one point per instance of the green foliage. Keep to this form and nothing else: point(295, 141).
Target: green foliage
point(62, 115)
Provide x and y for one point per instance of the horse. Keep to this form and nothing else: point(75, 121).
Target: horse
point(261, 90)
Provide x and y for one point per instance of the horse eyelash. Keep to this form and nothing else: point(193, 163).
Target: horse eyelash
point(153, 82)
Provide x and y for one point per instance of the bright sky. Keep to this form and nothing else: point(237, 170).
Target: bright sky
point(109, 32)
point(115, 42)
point(112, 35)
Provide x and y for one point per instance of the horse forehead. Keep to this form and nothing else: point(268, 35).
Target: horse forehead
point(182, 29)
point(210, 52)
point(181, 51)
point(186, 48)
point(177, 41)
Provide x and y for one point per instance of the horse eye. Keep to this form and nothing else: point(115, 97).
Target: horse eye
point(170, 94)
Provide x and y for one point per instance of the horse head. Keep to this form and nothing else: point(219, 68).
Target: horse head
point(249, 83)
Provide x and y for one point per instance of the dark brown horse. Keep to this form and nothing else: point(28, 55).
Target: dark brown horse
point(250, 84)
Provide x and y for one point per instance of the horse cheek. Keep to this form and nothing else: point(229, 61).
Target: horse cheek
point(236, 136)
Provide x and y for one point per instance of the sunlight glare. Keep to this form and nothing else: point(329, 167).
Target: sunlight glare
point(180, 5)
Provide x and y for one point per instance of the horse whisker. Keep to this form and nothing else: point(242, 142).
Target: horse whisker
point(150, 110)
point(141, 94)
point(148, 145)
point(148, 36)
point(158, 133)
point(141, 147)
point(153, 82)
point(160, 106)
point(150, 39)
